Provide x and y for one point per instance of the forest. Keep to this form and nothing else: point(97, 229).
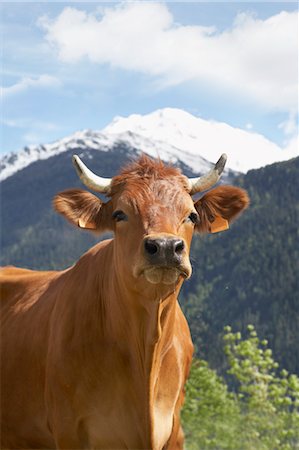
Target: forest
point(249, 274)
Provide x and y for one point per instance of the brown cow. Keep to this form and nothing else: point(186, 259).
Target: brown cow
point(96, 356)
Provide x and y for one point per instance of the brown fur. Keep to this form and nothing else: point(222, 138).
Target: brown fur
point(146, 170)
point(76, 205)
point(224, 201)
point(97, 356)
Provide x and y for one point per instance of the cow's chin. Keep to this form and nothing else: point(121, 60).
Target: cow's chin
point(162, 275)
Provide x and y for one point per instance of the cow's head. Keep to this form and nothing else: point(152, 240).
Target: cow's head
point(152, 215)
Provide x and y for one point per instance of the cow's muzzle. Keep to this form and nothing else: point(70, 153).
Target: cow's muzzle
point(166, 259)
point(164, 251)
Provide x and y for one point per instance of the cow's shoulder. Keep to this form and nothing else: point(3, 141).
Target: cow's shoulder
point(12, 273)
point(15, 282)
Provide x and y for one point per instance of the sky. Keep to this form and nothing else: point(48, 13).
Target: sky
point(74, 66)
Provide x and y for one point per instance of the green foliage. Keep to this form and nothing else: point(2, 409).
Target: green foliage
point(260, 412)
point(210, 412)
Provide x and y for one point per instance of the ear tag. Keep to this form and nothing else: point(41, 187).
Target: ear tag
point(87, 225)
point(219, 224)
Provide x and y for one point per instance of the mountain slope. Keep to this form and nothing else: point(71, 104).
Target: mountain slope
point(246, 149)
point(97, 141)
point(104, 141)
point(249, 273)
point(171, 134)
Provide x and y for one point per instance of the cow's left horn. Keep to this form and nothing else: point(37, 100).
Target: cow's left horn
point(209, 179)
point(91, 180)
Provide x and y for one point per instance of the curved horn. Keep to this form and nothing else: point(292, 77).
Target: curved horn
point(209, 179)
point(91, 180)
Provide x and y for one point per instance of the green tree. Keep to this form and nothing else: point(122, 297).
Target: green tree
point(210, 414)
point(260, 411)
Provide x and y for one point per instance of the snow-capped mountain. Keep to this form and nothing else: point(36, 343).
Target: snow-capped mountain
point(245, 149)
point(171, 134)
point(92, 140)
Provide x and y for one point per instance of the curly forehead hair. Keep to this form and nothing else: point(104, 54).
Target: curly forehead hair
point(144, 171)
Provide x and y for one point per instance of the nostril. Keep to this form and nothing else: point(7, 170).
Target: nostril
point(151, 247)
point(179, 247)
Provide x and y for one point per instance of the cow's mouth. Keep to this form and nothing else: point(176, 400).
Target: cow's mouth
point(164, 275)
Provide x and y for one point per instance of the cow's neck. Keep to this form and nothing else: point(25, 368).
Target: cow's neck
point(135, 327)
point(141, 319)
point(143, 329)
point(118, 311)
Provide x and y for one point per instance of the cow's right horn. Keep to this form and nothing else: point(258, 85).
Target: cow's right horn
point(91, 180)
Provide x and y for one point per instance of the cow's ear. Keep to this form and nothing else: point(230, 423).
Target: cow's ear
point(218, 207)
point(82, 209)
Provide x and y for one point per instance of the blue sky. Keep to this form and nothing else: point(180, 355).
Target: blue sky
point(71, 66)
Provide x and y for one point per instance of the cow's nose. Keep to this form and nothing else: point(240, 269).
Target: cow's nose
point(164, 250)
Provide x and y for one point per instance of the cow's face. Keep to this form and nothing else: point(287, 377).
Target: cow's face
point(153, 222)
point(153, 217)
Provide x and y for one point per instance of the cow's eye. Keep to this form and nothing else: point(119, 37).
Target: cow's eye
point(193, 217)
point(119, 215)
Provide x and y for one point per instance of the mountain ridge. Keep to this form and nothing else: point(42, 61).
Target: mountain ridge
point(170, 134)
point(97, 141)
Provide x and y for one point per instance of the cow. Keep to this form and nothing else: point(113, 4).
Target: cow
point(96, 356)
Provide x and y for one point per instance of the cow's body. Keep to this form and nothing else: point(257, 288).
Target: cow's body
point(96, 356)
point(87, 374)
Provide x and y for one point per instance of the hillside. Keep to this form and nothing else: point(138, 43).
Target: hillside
point(248, 275)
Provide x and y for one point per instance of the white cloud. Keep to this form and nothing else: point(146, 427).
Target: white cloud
point(28, 83)
point(37, 131)
point(25, 122)
point(254, 58)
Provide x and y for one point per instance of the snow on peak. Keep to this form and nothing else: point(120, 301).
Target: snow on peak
point(95, 140)
point(138, 138)
point(171, 134)
point(195, 136)
point(15, 161)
